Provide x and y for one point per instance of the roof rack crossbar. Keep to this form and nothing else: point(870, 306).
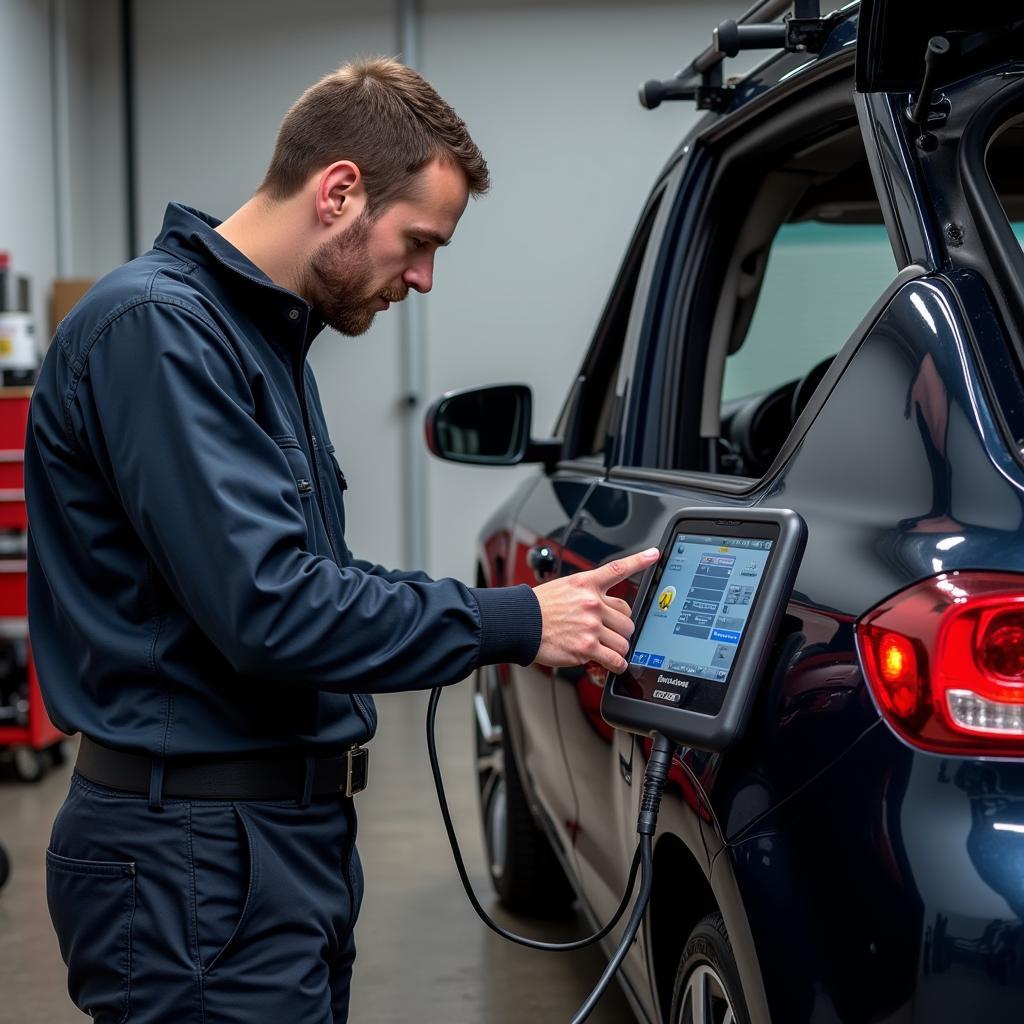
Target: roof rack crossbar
point(701, 79)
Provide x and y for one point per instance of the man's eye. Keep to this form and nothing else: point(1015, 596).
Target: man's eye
point(418, 243)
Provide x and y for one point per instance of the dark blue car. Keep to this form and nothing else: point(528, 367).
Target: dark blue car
point(821, 309)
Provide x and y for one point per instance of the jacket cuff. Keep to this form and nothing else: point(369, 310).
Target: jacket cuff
point(510, 624)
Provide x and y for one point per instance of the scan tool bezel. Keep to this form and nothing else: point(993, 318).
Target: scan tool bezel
point(710, 715)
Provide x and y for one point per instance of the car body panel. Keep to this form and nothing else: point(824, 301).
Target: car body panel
point(543, 519)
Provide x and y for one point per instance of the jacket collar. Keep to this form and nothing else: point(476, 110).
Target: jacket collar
point(190, 234)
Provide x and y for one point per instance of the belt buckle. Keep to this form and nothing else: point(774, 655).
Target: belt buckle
point(357, 762)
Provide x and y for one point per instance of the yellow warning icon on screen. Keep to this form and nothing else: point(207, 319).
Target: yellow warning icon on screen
point(666, 597)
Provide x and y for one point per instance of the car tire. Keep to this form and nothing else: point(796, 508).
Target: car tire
point(524, 870)
point(707, 987)
point(28, 763)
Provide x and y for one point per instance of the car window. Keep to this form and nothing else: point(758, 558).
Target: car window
point(819, 280)
point(795, 253)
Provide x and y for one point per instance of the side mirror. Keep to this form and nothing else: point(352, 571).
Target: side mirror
point(487, 426)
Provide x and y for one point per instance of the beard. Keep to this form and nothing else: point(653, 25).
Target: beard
point(339, 281)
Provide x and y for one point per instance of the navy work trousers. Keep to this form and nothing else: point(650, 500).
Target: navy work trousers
point(205, 911)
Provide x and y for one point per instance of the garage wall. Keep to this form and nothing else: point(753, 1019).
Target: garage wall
point(97, 229)
point(549, 92)
point(213, 83)
point(27, 222)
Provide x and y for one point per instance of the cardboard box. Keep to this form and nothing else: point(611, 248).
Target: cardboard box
point(66, 292)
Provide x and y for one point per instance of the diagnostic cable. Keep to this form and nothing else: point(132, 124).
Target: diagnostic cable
point(643, 861)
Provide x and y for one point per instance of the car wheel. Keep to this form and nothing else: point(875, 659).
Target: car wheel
point(524, 870)
point(28, 764)
point(707, 988)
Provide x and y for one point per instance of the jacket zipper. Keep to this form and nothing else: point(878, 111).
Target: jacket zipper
point(311, 440)
point(300, 387)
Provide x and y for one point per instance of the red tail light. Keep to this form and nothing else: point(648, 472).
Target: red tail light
point(945, 663)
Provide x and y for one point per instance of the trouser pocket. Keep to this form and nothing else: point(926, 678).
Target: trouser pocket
point(224, 869)
point(92, 903)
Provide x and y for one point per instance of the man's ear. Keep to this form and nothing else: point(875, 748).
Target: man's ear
point(340, 194)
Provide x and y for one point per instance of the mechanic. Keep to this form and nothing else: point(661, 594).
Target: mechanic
point(194, 610)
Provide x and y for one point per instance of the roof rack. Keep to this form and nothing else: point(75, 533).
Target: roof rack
point(701, 80)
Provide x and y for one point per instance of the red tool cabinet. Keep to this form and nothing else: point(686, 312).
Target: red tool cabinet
point(25, 728)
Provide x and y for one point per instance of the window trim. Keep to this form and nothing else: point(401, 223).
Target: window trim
point(569, 424)
point(640, 399)
point(986, 255)
point(1001, 252)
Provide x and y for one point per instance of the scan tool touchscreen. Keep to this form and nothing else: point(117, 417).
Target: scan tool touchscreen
point(696, 620)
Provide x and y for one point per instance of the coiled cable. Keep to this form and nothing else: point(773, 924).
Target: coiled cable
point(643, 861)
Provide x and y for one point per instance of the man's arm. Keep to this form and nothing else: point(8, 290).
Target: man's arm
point(165, 409)
point(392, 575)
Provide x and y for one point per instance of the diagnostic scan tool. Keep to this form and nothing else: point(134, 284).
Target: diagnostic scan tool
point(706, 618)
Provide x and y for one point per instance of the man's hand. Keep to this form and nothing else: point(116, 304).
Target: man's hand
point(581, 622)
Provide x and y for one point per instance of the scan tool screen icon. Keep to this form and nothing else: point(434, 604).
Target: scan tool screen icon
point(666, 597)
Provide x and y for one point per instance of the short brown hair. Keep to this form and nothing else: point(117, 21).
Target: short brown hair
point(385, 118)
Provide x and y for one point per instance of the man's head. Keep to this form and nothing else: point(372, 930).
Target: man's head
point(378, 169)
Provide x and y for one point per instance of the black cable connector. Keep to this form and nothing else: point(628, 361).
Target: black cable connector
point(655, 778)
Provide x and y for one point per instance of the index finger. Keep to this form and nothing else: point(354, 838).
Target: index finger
point(622, 568)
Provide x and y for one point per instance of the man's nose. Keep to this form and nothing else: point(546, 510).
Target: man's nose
point(420, 278)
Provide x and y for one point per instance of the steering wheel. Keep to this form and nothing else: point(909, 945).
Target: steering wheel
point(807, 386)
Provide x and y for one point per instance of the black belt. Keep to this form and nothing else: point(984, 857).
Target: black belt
point(270, 778)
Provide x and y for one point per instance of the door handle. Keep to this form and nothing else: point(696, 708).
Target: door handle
point(543, 561)
point(626, 764)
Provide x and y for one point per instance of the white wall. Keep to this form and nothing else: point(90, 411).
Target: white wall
point(97, 228)
point(27, 220)
point(549, 92)
point(214, 81)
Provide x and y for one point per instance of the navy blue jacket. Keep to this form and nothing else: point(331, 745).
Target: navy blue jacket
point(190, 590)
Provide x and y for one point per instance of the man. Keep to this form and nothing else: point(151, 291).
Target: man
point(195, 612)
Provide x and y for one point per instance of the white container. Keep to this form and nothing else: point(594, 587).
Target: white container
point(18, 342)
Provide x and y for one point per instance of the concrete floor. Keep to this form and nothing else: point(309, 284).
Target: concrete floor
point(423, 955)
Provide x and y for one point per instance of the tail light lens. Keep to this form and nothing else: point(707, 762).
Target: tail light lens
point(945, 663)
